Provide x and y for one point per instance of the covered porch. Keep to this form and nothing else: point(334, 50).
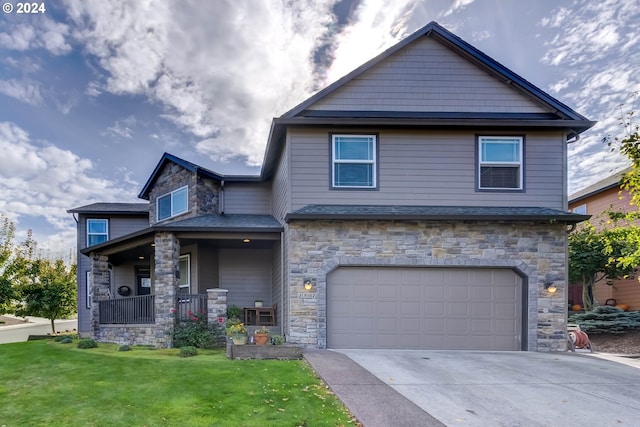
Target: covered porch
point(142, 284)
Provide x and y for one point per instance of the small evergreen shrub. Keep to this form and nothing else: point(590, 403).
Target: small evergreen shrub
point(196, 332)
point(234, 312)
point(606, 319)
point(124, 347)
point(188, 351)
point(60, 338)
point(87, 343)
point(277, 339)
point(65, 340)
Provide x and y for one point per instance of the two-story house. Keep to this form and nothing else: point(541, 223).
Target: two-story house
point(418, 202)
point(597, 200)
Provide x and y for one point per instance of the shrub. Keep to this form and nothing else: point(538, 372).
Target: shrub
point(87, 343)
point(65, 340)
point(234, 312)
point(196, 332)
point(188, 351)
point(61, 338)
point(277, 340)
point(124, 347)
point(607, 320)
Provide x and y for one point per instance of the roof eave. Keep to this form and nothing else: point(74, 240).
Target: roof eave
point(566, 219)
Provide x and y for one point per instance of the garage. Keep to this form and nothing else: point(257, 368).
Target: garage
point(424, 308)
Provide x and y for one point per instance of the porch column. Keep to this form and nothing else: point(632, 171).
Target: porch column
point(167, 261)
point(100, 289)
point(217, 306)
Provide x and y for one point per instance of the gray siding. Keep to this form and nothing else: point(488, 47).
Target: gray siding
point(118, 226)
point(208, 272)
point(432, 168)
point(276, 280)
point(281, 189)
point(427, 76)
point(247, 198)
point(246, 274)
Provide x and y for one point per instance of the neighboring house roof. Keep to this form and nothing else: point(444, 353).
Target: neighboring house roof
point(609, 182)
point(242, 223)
point(560, 115)
point(112, 208)
point(170, 158)
point(436, 213)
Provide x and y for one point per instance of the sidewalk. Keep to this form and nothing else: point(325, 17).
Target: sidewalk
point(34, 326)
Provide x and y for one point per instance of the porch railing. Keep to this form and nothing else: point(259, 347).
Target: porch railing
point(132, 310)
point(189, 304)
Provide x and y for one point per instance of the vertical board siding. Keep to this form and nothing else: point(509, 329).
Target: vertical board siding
point(435, 168)
point(247, 275)
point(247, 198)
point(427, 76)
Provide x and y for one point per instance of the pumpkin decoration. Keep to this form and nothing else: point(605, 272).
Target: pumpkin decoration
point(576, 307)
point(624, 307)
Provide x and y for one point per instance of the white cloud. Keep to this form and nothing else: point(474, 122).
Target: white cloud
point(457, 5)
point(596, 49)
point(23, 90)
point(373, 30)
point(43, 34)
point(122, 128)
point(42, 180)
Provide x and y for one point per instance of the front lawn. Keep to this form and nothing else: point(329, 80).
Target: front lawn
point(54, 384)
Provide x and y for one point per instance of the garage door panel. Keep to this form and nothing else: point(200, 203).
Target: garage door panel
point(428, 308)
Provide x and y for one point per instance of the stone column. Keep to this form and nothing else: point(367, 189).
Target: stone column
point(217, 306)
point(167, 262)
point(100, 287)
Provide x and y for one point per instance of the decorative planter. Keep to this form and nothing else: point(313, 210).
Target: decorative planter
point(239, 339)
point(258, 303)
point(260, 339)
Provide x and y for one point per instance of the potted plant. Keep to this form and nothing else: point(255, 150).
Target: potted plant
point(238, 333)
point(258, 303)
point(261, 336)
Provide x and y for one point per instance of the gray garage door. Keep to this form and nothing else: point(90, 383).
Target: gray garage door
point(425, 308)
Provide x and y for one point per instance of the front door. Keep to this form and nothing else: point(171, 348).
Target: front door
point(144, 281)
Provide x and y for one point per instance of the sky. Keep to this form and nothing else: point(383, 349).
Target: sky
point(93, 92)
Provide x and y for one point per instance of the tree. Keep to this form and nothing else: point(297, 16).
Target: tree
point(52, 291)
point(595, 256)
point(9, 266)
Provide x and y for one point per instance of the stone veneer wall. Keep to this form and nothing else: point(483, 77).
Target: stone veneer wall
point(203, 192)
point(167, 261)
point(536, 251)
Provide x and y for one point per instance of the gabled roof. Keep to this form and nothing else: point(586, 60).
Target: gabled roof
point(560, 116)
point(113, 208)
point(608, 183)
point(170, 158)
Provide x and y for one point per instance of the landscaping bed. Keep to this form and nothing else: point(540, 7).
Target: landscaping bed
point(252, 351)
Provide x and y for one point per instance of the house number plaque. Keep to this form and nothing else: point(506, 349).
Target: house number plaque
point(308, 296)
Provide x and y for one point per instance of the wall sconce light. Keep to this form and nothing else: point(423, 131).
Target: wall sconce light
point(308, 284)
point(550, 287)
point(246, 240)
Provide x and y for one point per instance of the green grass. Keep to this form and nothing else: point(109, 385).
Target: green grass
point(53, 384)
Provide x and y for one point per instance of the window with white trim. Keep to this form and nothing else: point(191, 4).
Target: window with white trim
point(500, 162)
point(97, 231)
point(582, 209)
point(172, 204)
point(353, 163)
point(184, 266)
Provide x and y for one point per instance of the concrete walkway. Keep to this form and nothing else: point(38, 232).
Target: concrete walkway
point(35, 326)
point(475, 388)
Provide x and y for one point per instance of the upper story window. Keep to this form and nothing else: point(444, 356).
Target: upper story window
point(353, 161)
point(97, 231)
point(172, 204)
point(500, 162)
point(582, 209)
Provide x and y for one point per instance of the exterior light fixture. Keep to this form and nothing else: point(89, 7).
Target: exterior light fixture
point(550, 287)
point(246, 240)
point(140, 257)
point(308, 284)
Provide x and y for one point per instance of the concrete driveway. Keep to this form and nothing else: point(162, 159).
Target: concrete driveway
point(477, 388)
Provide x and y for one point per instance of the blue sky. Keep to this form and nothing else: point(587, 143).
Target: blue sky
point(93, 92)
